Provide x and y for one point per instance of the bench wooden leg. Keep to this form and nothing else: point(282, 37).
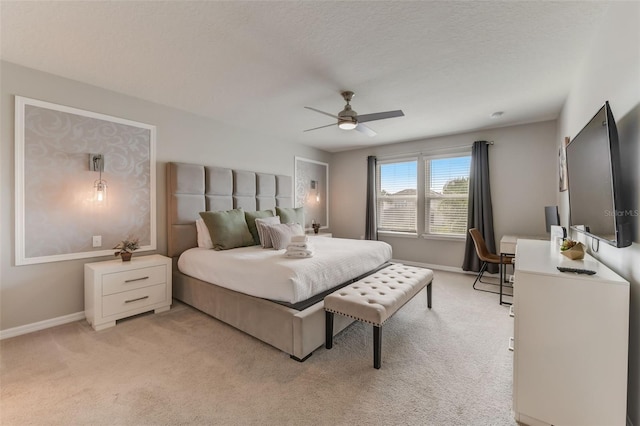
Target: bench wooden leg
point(377, 346)
point(429, 295)
point(328, 341)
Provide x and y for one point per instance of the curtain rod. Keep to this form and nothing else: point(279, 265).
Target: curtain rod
point(426, 152)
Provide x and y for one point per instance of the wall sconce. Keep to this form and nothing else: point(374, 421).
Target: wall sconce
point(96, 164)
point(314, 186)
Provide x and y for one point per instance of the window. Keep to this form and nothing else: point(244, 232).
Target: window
point(446, 195)
point(428, 195)
point(397, 196)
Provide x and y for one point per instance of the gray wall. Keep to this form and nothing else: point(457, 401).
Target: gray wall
point(524, 179)
point(29, 294)
point(612, 72)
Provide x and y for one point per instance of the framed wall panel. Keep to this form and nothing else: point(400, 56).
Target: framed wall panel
point(312, 191)
point(57, 214)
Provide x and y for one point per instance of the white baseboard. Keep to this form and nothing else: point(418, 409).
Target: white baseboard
point(438, 267)
point(41, 325)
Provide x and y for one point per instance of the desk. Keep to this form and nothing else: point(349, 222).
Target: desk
point(508, 244)
point(508, 248)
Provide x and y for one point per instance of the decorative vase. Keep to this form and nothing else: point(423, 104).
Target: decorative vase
point(126, 256)
point(574, 253)
point(316, 228)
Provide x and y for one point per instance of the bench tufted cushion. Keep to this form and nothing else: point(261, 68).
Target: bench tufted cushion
point(377, 297)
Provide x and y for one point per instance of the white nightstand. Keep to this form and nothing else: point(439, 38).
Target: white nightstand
point(115, 289)
point(320, 234)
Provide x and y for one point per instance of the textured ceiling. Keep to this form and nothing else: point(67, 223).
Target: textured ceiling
point(447, 65)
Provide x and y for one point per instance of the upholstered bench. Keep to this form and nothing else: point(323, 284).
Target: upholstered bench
point(374, 299)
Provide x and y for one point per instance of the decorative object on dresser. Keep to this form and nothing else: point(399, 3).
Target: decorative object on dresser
point(125, 248)
point(571, 338)
point(114, 290)
point(572, 249)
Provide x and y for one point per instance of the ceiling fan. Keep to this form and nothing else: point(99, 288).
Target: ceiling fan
point(348, 119)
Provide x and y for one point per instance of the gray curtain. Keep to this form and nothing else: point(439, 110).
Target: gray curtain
point(480, 214)
point(371, 231)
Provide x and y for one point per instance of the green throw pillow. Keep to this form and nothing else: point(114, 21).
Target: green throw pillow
point(228, 229)
point(291, 215)
point(251, 217)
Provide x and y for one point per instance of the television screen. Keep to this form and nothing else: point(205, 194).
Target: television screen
point(593, 174)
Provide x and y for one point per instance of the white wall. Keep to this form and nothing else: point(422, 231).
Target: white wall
point(612, 72)
point(30, 294)
point(524, 179)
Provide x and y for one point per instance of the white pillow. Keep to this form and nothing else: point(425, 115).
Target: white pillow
point(204, 238)
point(281, 234)
point(262, 225)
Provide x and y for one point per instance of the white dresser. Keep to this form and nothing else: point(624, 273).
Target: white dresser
point(115, 289)
point(570, 340)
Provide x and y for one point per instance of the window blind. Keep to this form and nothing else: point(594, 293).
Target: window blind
point(447, 195)
point(397, 196)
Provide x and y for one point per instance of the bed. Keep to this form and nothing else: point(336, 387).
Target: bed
point(293, 322)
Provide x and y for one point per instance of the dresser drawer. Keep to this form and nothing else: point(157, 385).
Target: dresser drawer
point(131, 300)
point(117, 282)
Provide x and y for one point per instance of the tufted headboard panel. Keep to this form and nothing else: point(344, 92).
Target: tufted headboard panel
point(193, 188)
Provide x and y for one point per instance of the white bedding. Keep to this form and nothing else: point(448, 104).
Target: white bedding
point(268, 274)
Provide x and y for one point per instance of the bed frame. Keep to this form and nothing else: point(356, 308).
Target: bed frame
point(193, 188)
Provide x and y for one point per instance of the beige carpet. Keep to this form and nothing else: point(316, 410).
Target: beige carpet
point(445, 366)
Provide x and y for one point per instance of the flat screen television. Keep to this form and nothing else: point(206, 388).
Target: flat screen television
point(594, 175)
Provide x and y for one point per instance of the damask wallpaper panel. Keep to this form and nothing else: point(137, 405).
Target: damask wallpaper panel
point(312, 191)
point(56, 214)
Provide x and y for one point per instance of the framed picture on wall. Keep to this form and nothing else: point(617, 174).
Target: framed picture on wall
point(84, 181)
point(311, 183)
point(562, 166)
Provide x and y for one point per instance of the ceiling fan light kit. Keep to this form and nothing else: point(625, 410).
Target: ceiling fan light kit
point(347, 125)
point(348, 119)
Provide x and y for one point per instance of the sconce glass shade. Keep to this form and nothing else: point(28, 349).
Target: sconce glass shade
point(347, 125)
point(100, 189)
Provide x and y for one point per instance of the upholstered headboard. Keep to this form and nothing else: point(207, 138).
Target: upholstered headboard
point(193, 188)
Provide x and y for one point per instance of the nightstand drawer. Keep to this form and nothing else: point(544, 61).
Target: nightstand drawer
point(117, 282)
point(130, 300)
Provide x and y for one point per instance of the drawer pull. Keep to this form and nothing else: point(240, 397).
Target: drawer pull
point(511, 312)
point(511, 347)
point(136, 279)
point(135, 300)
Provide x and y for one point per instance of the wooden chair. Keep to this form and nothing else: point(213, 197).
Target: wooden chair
point(487, 257)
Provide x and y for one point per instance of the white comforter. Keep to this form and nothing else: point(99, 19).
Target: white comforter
point(268, 274)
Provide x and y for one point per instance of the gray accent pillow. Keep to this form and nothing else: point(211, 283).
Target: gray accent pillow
point(263, 230)
point(251, 217)
point(228, 229)
point(281, 234)
point(291, 215)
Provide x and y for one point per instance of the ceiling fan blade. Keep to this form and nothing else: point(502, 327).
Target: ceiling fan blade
point(322, 112)
point(366, 130)
point(379, 116)
point(321, 127)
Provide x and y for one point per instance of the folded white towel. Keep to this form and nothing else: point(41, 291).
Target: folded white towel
point(304, 246)
point(299, 239)
point(291, 249)
point(296, 253)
